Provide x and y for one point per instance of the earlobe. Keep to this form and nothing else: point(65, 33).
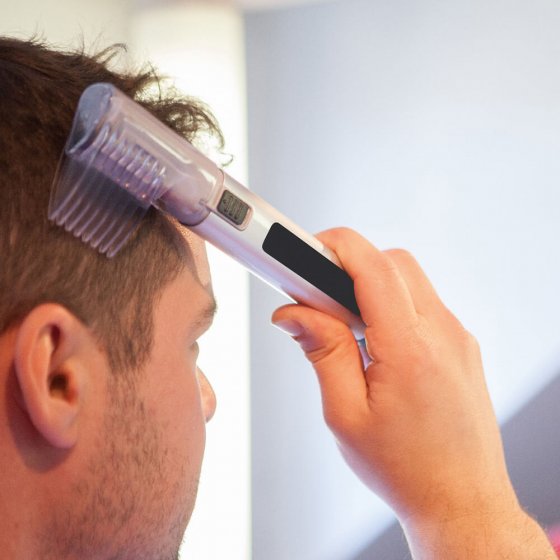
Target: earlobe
point(50, 369)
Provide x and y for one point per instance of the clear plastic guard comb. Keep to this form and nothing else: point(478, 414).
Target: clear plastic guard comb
point(116, 142)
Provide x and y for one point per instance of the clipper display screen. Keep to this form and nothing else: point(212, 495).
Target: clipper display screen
point(288, 249)
point(233, 208)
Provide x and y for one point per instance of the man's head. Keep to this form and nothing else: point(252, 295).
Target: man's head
point(101, 410)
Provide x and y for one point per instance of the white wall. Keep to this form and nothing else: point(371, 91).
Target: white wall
point(428, 124)
point(65, 22)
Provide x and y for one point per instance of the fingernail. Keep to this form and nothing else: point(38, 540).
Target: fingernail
point(293, 328)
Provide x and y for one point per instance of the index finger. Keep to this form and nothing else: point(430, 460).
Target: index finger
point(382, 294)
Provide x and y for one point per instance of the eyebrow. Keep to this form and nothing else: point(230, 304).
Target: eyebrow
point(206, 316)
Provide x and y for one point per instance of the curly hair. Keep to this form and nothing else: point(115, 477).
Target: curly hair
point(39, 262)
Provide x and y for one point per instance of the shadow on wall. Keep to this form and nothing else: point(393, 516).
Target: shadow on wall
point(532, 445)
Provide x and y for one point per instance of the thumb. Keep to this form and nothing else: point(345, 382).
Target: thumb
point(335, 356)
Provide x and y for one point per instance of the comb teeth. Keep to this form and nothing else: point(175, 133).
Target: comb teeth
point(129, 166)
point(103, 191)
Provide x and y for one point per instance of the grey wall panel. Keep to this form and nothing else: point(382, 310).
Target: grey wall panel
point(427, 124)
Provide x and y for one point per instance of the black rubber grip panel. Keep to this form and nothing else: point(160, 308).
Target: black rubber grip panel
point(281, 244)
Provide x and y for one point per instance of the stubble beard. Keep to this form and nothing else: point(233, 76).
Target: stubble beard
point(125, 507)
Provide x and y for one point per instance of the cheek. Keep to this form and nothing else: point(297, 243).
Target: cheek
point(176, 404)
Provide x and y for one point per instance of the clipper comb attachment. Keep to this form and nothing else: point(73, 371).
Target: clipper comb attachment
point(86, 201)
point(118, 161)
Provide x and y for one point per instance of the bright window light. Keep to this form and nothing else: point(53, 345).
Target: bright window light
point(200, 46)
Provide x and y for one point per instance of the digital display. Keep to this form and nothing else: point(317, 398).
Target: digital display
point(233, 208)
point(288, 249)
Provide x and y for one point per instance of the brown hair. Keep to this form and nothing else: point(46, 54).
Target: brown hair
point(39, 262)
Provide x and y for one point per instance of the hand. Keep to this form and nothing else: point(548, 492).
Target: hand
point(417, 426)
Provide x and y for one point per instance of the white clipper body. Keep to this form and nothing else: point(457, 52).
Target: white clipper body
point(119, 160)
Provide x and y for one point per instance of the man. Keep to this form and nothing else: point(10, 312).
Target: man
point(103, 407)
point(102, 410)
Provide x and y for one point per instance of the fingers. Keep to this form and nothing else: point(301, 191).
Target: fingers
point(426, 301)
point(383, 296)
point(396, 300)
point(335, 356)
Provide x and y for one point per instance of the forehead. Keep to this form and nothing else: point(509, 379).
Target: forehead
point(197, 249)
point(188, 301)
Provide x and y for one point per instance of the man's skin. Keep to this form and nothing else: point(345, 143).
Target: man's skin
point(97, 468)
point(417, 426)
point(91, 467)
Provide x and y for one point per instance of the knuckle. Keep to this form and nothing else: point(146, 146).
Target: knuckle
point(345, 230)
point(403, 259)
point(341, 233)
point(453, 325)
point(387, 264)
point(471, 342)
point(345, 236)
point(324, 348)
point(466, 342)
point(319, 353)
point(400, 254)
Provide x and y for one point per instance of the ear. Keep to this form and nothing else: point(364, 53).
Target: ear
point(52, 371)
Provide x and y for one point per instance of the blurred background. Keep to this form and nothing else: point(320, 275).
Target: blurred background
point(432, 125)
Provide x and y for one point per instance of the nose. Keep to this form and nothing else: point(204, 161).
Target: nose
point(207, 395)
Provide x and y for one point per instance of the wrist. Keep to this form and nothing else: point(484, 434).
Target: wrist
point(501, 531)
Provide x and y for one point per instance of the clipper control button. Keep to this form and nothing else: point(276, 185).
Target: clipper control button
point(233, 208)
